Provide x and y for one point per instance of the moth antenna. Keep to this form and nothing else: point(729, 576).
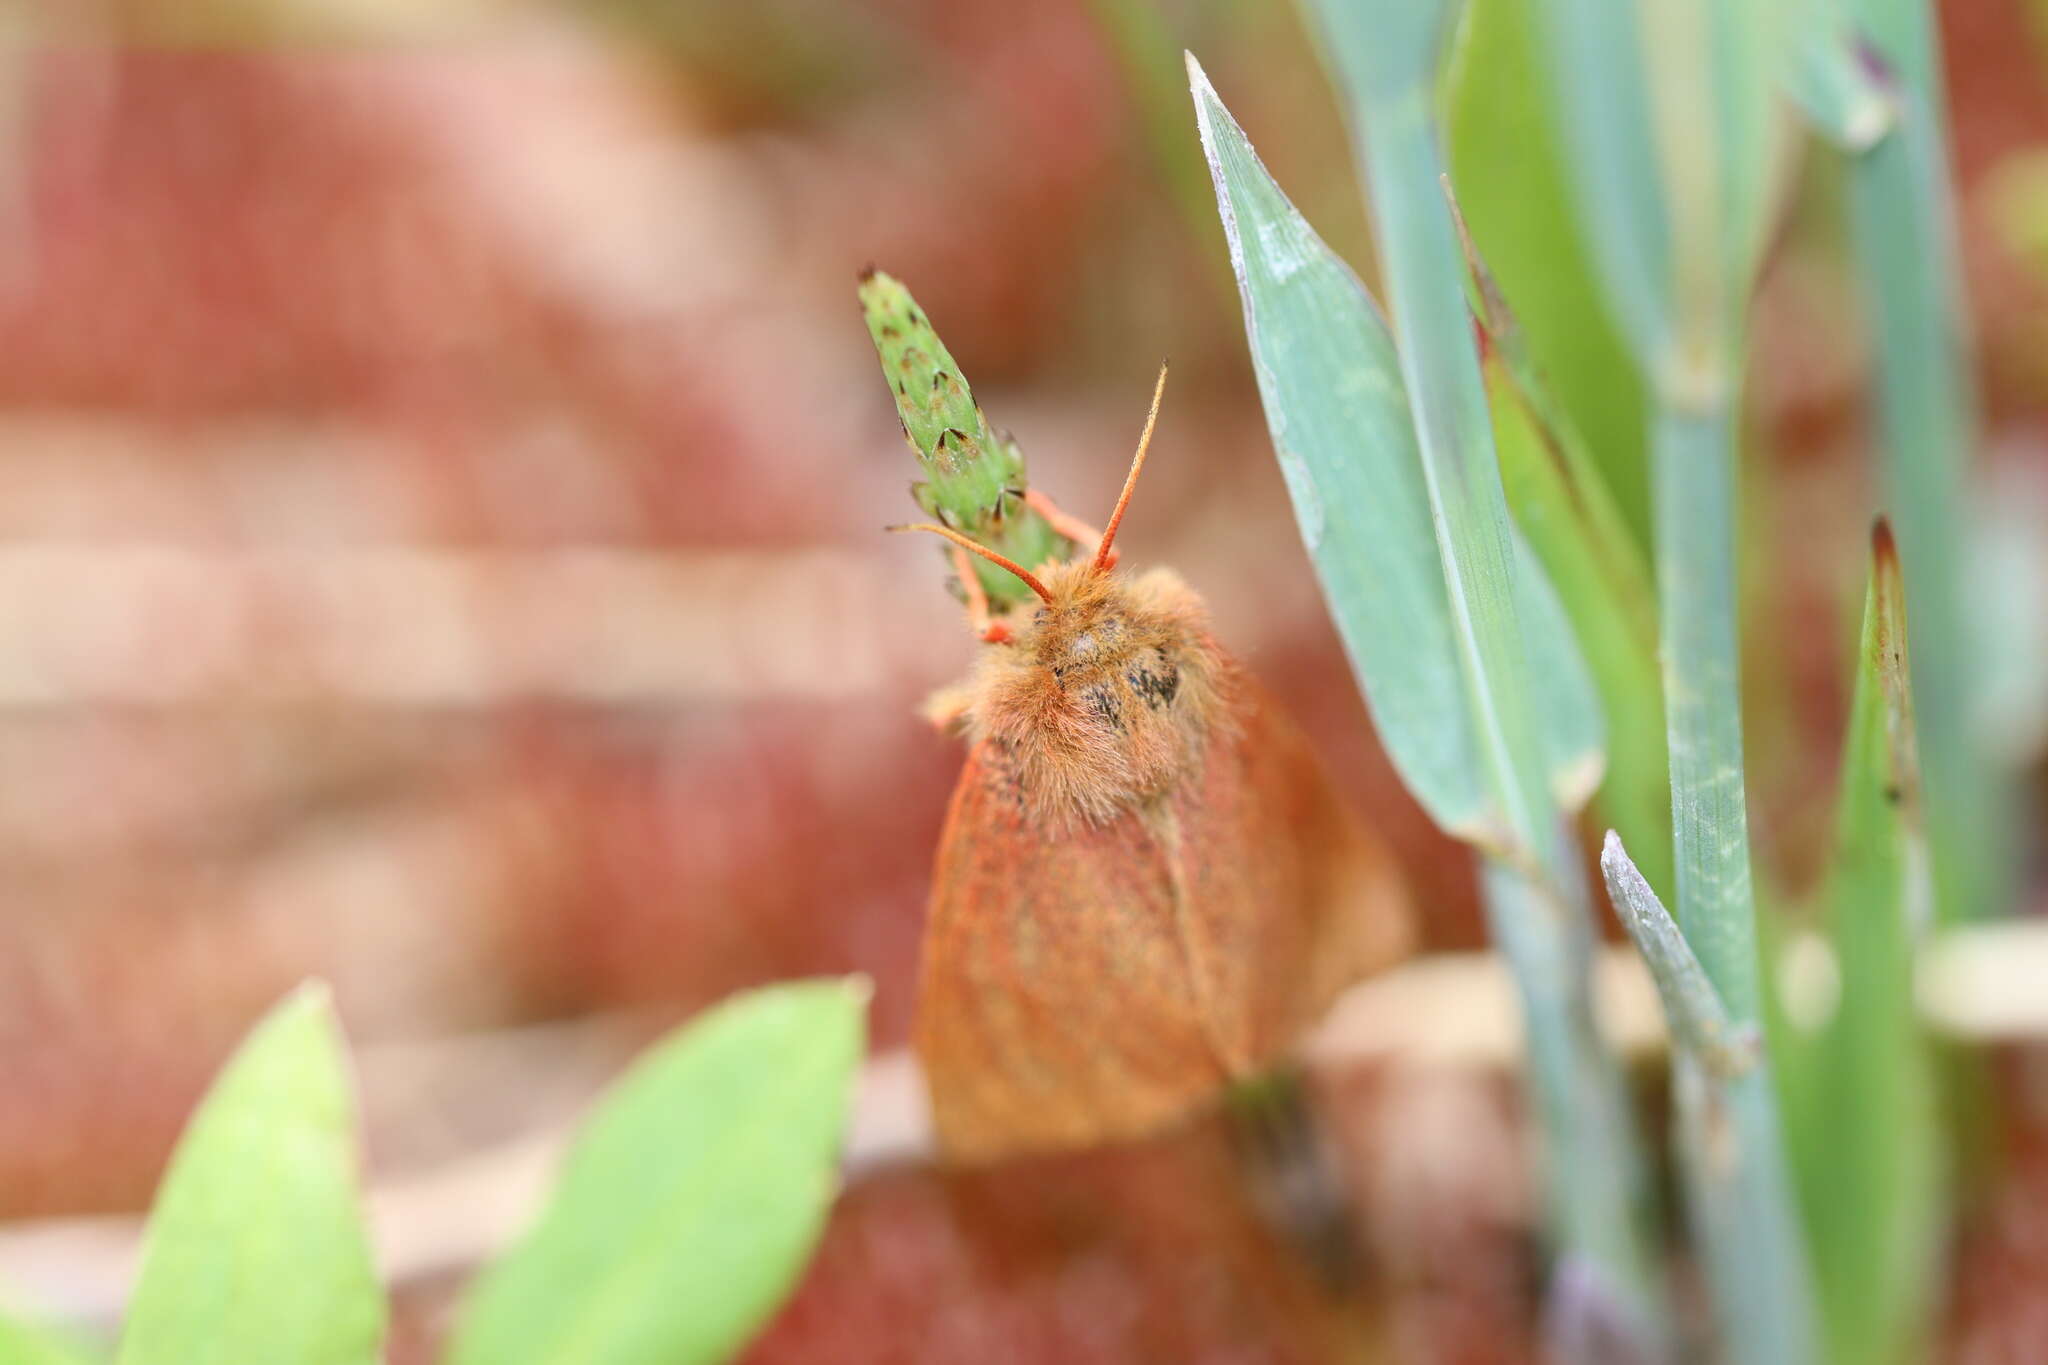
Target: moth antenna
point(1131, 479)
point(975, 547)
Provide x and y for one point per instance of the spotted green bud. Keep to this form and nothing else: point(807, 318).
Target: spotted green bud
point(974, 475)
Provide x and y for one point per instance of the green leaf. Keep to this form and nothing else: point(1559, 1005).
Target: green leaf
point(1699, 1021)
point(1502, 144)
point(1564, 702)
point(1391, 451)
point(1831, 83)
point(1386, 58)
point(21, 1344)
point(1673, 140)
point(692, 1199)
point(1909, 269)
point(975, 480)
point(1338, 413)
point(1670, 135)
point(1594, 73)
point(1857, 1075)
point(1564, 511)
point(255, 1248)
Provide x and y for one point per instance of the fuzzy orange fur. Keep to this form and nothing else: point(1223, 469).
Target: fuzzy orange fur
point(1108, 693)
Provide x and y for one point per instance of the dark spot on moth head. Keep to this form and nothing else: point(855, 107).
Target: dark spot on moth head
point(1157, 681)
point(1893, 793)
point(1102, 702)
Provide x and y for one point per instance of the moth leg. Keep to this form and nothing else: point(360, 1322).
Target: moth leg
point(946, 709)
point(1073, 528)
point(978, 615)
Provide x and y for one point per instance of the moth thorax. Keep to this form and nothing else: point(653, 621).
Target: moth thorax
point(1103, 701)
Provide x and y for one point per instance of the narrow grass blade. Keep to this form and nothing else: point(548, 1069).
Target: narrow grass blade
point(2008, 578)
point(693, 1197)
point(1856, 1072)
point(1699, 1021)
point(255, 1248)
point(1832, 84)
point(1670, 136)
point(1737, 1177)
point(1571, 734)
point(1673, 137)
point(1507, 164)
point(1563, 509)
point(1904, 237)
point(974, 474)
point(1596, 77)
point(1739, 1192)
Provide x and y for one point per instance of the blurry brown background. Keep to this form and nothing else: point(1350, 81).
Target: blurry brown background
point(441, 477)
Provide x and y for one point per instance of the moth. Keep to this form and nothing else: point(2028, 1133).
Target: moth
point(1146, 887)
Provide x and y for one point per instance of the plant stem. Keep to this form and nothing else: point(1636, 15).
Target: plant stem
point(1388, 56)
point(1736, 1173)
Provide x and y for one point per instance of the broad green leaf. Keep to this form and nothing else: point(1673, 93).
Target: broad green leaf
point(21, 1344)
point(255, 1248)
point(1334, 402)
point(692, 1199)
point(1339, 418)
point(1857, 1080)
point(1385, 57)
point(1502, 144)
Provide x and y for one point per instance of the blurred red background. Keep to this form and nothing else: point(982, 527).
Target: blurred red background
point(440, 491)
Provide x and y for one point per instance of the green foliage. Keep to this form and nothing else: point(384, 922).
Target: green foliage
point(1904, 236)
point(1511, 181)
point(1671, 134)
point(1832, 83)
point(689, 1206)
point(1474, 677)
point(693, 1197)
point(1856, 1072)
point(974, 474)
point(1339, 415)
point(1699, 1021)
point(21, 1344)
point(1578, 532)
point(255, 1249)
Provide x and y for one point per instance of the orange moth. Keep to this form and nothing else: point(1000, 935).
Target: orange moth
point(1145, 887)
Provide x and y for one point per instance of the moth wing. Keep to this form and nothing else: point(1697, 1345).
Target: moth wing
point(1056, 1008)
point(1288, 898)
